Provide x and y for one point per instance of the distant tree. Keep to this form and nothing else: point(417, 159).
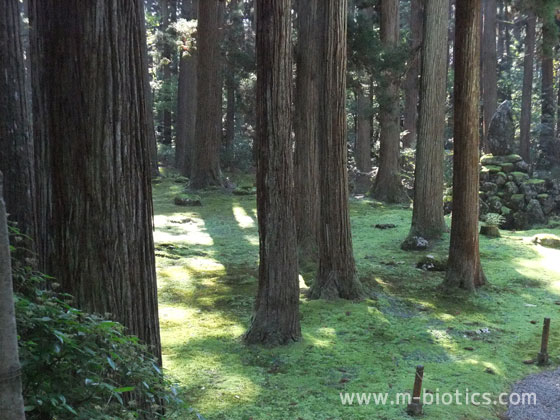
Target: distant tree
point(306, 127)
point(489, 75)
point(186, 97)
point(427, 216)
point(276, 316)
point(16, 160)
point(364, 119)
point(527, 95)
point(11, 400)
point(388, 184)
point(336, 276)
point(464, 268)
point(412, 81)
point(208, 134)
point(168, 14)
point(93, 167)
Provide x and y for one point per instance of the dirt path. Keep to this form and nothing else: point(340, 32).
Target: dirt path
point(546, 386)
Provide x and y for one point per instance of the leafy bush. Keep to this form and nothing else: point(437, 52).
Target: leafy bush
point(77, 365)
point(494, 219)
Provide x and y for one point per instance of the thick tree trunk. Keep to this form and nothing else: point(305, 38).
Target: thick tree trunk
point(427, 216)
point(464, 268)
point(208, 136)
point(186, 100)
point(412, 81)
point(11, 400)
point(93, 158)
point(336, 277)
point(276, 317)
point(388, 184)
point(235, 41)
point(527, 95)
point(306, 126)
point(16, 150)
point(547, 138)
point(489, 67)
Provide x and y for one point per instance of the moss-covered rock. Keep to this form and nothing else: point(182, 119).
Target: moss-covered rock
point(188, 200)
point(248, 190)
point(547, 239)
point(508, 167)
point(517, 202)
point(492, 169)
point(519, 177)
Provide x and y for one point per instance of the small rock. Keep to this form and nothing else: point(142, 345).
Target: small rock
point(415, 243)
point(187, 200)
point(490, 371)
point(385, 226)
point(548, 240)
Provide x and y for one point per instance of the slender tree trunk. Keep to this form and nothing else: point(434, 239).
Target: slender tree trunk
point(11, 399)
point(207, 142)
point(236, 25)
point(489, 67)
point(276, 317)
point(167, 14)
point(93, 158)
point(363, 131)
point(464, 268)
point(16, 148)
point(427, 216)
point(306, 126)
point(388, 184)
point(527, 95)
point(547, 138)
point(412, 82)
point(186, 100)
point(336, 276)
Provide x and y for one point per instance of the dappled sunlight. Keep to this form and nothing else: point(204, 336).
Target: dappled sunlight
point(204, 264)
point(243, 219)
point(192, 231)
point(546, 266)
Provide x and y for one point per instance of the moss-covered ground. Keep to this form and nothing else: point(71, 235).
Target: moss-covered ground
point(207, 269)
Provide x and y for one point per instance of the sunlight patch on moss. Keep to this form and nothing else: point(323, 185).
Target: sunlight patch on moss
point(243, 219)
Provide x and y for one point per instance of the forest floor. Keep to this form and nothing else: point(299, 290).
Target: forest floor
point(207, 259)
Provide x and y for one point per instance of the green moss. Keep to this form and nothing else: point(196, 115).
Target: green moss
point(507, 167)
point(520, 176)
point(493, 169)
point(542, 196)
point(206, 296)
point(535, 181)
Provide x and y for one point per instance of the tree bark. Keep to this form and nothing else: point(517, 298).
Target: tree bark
point(336, 276)
point(388, 184)
point(168, 13)
point(464, 268)
point(363, 131)
point(16, 149)
point(206, 164)
point(186, 100)
point(11, 399)
point(412, 81)
point(236, 25)
point(93, 165)
point(527, 94)
point(427, 216)
point(489, 67)
point(276, 317)
point(306, 126)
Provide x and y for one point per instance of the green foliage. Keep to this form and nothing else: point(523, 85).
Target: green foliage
point(77, 365)
point(494, 219)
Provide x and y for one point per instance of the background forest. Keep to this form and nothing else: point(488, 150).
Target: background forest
point(250, 209)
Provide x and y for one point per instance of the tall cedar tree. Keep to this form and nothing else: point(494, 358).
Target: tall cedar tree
point(168, 11)
point(306, 127)
point(93, 166)
point(412, 82)
point(208, 134)
point(15, 141)
point(336, 276)
point(527, 94)
point(364, 117)
point(464, 268)
point(388, 185)
point(427, 216)
point(547, 139)
point(489, 76)
point(186, 99)
point(11, 400)
point(276, 317)
point(234, 35)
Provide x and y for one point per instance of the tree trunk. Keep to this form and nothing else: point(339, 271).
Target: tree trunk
point(547, 138)
point(306, 126)
point(336, 276)
point(388, 184)
point(16, 148)
point(207, 142)
point(186, 100)
point(427, 216)
point(93, 169)
point(412, 82)
point(489, 67)
point(276, 317)
point(464, 268)
point(11, 399)
point(166, 10)
point(236, 25)
point(527, 95)
point(363, 131)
